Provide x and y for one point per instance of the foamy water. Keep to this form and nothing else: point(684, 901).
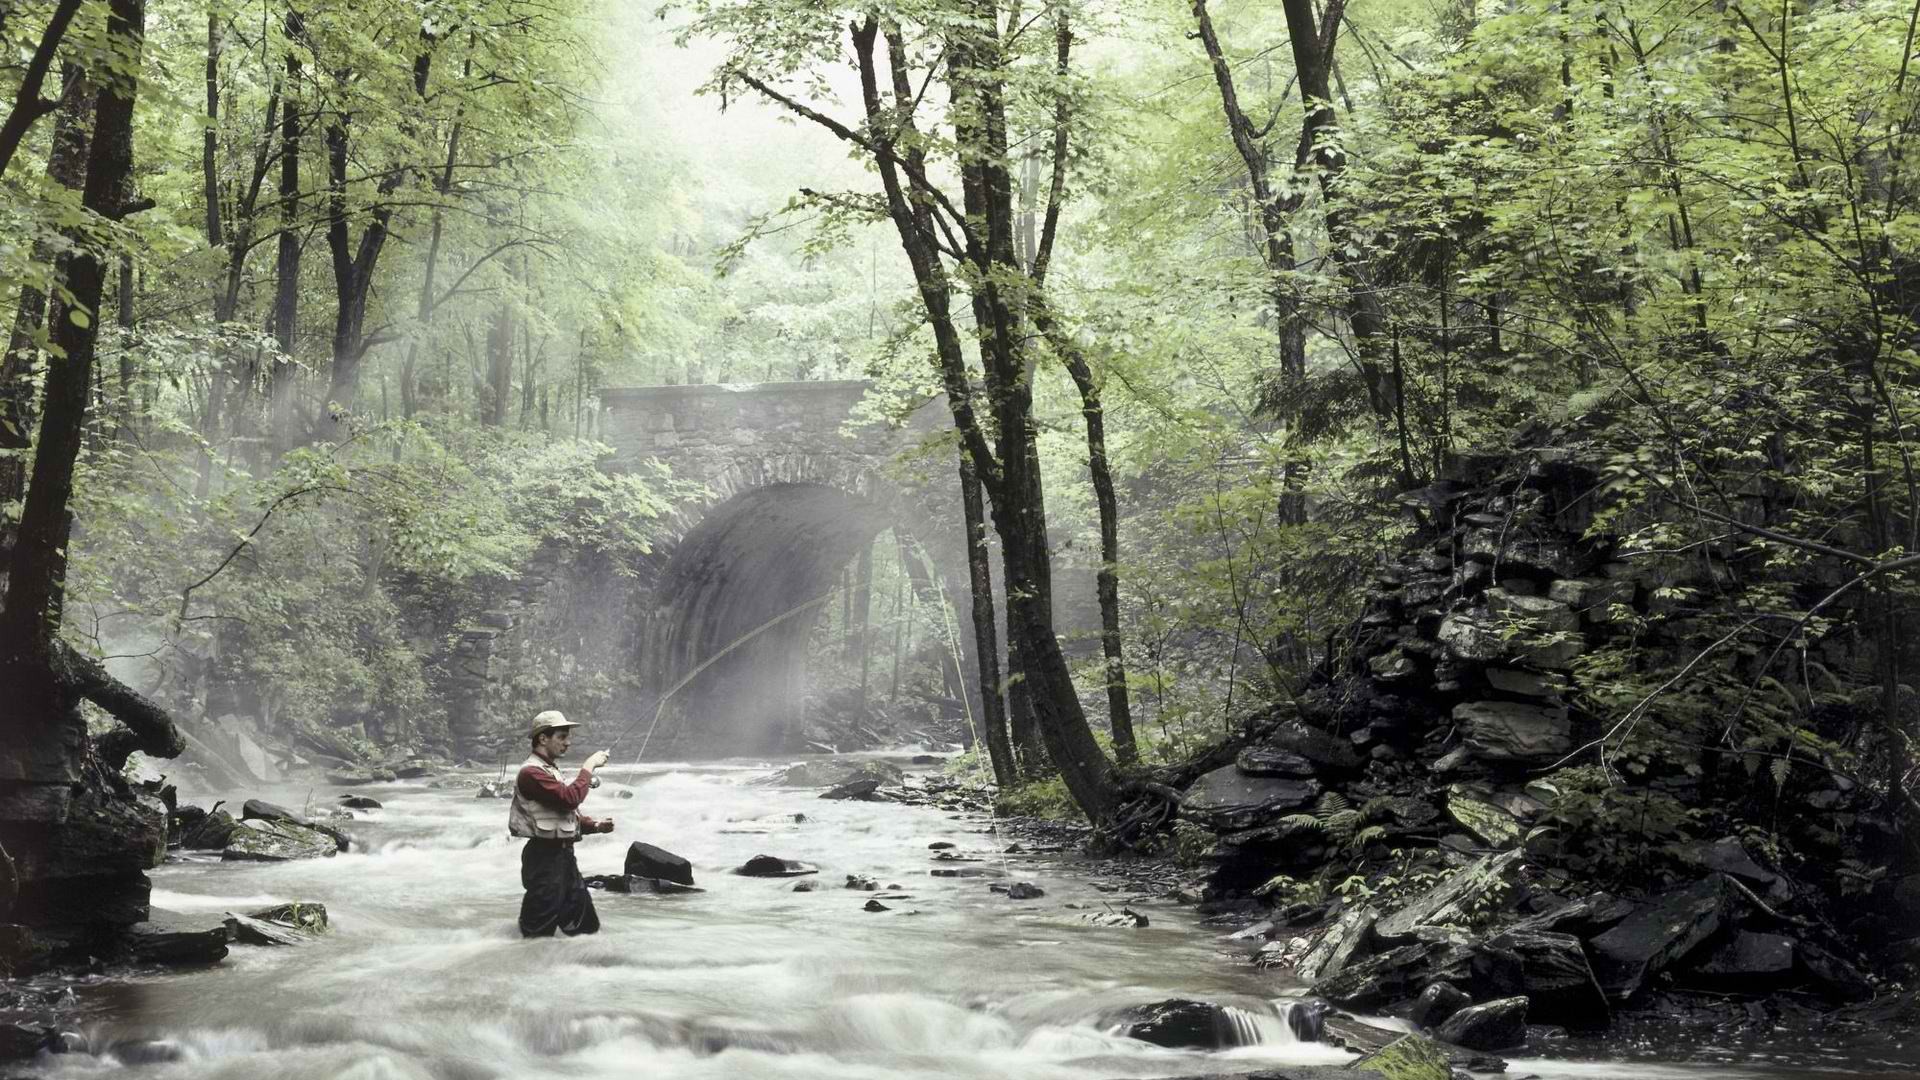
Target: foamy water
point(424, 976)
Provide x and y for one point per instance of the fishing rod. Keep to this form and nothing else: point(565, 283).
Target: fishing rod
point(660, 707)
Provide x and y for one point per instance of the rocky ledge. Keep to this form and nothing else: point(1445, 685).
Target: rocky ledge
point(1454, 824)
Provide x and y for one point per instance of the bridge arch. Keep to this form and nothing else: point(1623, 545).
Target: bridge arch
point(735, 586)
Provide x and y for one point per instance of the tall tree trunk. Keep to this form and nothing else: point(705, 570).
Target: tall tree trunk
point(36, 586)
point(124, 312)
point(1019, 510)
point(46, 679)
point(67, 166)
point(1107, 581)
point(282, 384)
point(986, 645)
point(499, 365)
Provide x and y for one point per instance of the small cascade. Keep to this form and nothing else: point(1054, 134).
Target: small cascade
point(1246, 1027)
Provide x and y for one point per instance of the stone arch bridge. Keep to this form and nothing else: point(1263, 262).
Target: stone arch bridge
point(796, 488)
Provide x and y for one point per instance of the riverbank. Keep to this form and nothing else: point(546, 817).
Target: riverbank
point(751, 978)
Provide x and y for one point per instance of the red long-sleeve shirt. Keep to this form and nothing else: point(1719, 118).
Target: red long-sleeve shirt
point(540, 785)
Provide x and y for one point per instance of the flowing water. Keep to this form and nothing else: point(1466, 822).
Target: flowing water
point(424, 975)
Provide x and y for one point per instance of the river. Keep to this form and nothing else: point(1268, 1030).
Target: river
point(423, 974)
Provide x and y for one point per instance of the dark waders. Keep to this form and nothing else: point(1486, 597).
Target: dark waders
point(557, 898)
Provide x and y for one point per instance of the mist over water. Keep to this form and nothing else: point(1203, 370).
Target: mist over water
point(424, 974)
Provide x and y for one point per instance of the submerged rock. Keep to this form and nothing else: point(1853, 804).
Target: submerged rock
point(773, 866)
point(638, 884)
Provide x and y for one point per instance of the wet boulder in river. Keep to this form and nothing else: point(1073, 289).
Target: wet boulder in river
point(359, 802)
point(354, 777)
point(833, 772)
point(1494, 1025)
point(261, 810)
point(774, 866)
point(646, 860)
point(1179, 1023)
point(300, 915)
point(277, 841)
point(210, 833)
point(168, 937)
point(1409, 1057)
point(243, 930)
point(865, 789)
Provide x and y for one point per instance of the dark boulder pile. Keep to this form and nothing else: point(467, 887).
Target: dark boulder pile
point(1467, 822)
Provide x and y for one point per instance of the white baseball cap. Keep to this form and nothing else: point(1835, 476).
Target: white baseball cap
point(551, 720)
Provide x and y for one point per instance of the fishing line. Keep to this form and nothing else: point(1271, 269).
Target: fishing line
point(950, 629)
point(661, 707)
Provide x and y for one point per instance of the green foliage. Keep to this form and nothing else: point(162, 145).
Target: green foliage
point(1046, 798)
point(313, 589)
point(1605, 830)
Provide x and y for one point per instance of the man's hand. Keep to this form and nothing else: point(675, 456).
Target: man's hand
point(595, 760)
point(606, 824)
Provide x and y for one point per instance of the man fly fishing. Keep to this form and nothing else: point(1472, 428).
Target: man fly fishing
point(545, 812)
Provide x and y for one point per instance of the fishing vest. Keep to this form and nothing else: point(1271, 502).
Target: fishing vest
point(529, 818)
